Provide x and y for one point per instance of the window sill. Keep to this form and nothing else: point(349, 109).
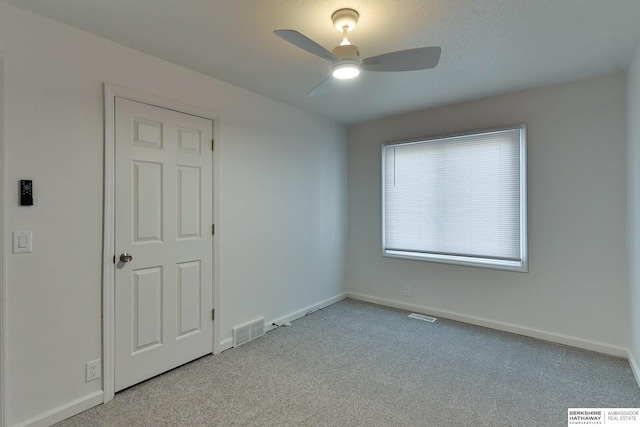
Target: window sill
point(518, 266)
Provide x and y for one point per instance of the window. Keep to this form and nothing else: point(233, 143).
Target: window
point(457, 199)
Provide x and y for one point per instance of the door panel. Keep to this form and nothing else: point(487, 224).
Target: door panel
point(188, 202)
point(188, 298)
point(163, 211)
point(147, 201)
point(146, 314)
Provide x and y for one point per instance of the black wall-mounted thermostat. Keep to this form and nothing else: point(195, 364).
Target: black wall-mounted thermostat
point(26, 192)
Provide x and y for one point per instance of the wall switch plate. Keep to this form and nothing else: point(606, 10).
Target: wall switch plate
point(93, 370)
point(22, 242)
point(407, 290)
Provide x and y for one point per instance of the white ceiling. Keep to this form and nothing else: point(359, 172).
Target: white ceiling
point(489, 47)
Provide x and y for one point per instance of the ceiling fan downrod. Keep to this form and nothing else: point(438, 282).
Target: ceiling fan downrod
point(345, 36)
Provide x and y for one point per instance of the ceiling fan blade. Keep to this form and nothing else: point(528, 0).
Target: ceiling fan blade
point(322, 87)
point(305, 43)
point(421, 58)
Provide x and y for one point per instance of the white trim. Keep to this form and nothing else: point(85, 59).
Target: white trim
point(501, 326)
point(64, 411)
point(108, 239)
point(226, 344)
point(635, 368)
point(517, 266)
point(268, 325)
point(3, 264)
point(108, 278)
point(216, 239)
point(303, 311)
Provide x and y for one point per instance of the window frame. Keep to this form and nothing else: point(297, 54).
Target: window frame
point(518, 266)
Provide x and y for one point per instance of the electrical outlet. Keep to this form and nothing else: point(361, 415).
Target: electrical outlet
point(407, 290)
point(93, 370)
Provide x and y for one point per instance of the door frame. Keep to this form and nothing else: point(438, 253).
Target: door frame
point(3, 264)
point(111, 92)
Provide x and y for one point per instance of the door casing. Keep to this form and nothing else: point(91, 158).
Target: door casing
point(109, 250)
point(3, 264)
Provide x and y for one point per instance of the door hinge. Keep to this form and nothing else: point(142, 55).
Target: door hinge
point(213, 144)
point(213, 314)
point(213, 229)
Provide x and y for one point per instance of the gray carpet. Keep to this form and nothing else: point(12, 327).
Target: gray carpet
point(359, 364)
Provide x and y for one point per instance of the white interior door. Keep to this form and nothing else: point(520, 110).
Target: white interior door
point(163, 220)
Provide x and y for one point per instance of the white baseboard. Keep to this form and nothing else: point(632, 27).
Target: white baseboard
point(635, 368)
point(268, 324)
point(303, 312)
point(226, 344)
point(506, 327)
point(64, 411)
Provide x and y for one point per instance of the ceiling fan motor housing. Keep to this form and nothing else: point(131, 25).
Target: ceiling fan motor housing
point(348, 51)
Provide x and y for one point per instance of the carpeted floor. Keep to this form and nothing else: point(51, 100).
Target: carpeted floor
point(359, 364)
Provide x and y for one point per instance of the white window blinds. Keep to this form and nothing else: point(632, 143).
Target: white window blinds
point(457, 198)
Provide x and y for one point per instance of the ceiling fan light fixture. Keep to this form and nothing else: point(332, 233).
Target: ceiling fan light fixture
point(345, 58)
point(346, 70)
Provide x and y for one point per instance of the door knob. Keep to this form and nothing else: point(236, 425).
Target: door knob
point(125, 257)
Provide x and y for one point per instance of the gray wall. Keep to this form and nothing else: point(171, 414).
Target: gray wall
point(281, 214)
point(576, 289)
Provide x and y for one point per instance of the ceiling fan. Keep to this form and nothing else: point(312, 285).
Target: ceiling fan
point(345, 58)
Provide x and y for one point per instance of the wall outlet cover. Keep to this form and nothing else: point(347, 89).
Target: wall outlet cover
point(94, 370)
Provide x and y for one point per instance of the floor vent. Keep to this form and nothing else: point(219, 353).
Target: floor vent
point(422, 317)
point(245, 333)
